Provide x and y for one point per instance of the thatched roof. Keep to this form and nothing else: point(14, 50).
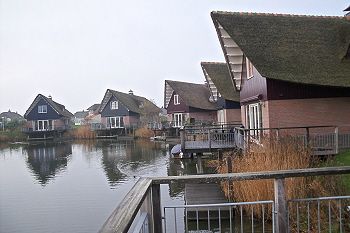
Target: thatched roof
point(59, 108)
point(132, 102)
point(220, 75)
point(300, 49)
point(194, 95)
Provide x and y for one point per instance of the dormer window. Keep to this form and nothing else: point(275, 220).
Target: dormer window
point(42, 109)
point(176, 100)
point(114, 105)
point(249, 69)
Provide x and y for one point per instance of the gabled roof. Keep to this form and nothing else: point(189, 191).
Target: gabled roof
point(81, 114)
point(218, 73)
point(194, 95)
point(11, 115)
point(59, 108)
point(94, 107)
point(347, 9)
point(293, 48)
point(132, 102)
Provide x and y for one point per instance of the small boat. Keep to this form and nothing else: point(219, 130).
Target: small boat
point(177, 153)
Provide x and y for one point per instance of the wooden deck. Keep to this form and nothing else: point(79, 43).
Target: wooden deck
point(207, 146)
point(196, 194)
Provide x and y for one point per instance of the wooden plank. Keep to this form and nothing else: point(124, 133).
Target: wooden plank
point(280, 207)
point(157, 211)
point(122, 217)
point(214, 178)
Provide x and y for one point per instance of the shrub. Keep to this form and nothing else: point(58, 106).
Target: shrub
point(144, 133)
point(83, 132)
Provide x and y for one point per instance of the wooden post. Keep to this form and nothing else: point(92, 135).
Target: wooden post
point(209, 139)
point(307, 136)
point(281, 208)
point(220, 155)
point(229, 164)
point(157, 211)
point(199, 164)
point(183, 140)
point(336, 140)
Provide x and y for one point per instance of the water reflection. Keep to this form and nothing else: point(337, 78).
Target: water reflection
point(47, 160)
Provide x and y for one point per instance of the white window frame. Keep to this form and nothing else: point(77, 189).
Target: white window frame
point(114, 122)
point(249, 67)
point(41, 126)
point(178, 119)
point(255, 120)
point(176, 99)
point(114, 104)
point(42, 108)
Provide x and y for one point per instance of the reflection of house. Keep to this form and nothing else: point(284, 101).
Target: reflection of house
point(290, 70)
point(79, 117)
point(47, 161)
point(188, 102)
point(221, 92)
point(120, 110)
point(46, 118)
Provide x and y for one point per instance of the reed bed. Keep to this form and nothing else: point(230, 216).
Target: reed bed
point(83, 132)
point(282, 154)
point(144, 132)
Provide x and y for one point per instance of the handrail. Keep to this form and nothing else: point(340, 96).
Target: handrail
point(281, 174)
point(123, 216)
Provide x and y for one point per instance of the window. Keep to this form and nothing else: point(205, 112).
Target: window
point(178, 119)
point(254, 119)
point(42, 109)
point(115, 122)
point(114, 105)
point(249, 69)
point(176, 100)
point(43, 125)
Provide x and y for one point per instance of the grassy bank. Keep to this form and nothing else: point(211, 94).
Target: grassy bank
point(343, 159)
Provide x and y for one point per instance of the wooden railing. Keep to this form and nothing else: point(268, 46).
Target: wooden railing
point(144, 198)
point(323, 140)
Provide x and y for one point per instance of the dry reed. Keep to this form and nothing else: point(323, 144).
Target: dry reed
point(83, 132)
point(144, 133)
point(274, 155)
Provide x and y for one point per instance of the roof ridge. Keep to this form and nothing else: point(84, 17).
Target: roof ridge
point(275, 14)
point(213, 62)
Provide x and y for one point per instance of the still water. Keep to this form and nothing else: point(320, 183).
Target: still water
point(73, 187)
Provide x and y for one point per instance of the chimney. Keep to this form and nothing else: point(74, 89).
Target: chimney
point(131, 92)
point(50, 97)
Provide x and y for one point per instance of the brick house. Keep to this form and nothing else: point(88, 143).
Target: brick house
point(290, 70)
point(123, 111)
point(221, 92)
point(188, 103)
point(46, 118)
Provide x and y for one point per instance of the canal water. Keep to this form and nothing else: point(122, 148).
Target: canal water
point(74, 187)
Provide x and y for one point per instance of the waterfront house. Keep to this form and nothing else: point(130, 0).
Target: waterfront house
point(93, 119)
point(290, 70)
point(221, 92)
point(188, 103)
point(80, 117)
point(46, 118)
point(120, 111)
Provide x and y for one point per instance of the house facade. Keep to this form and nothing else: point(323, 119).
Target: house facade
point(221, 92)
point(122, 111)
point(188, 103)
point(45, 117)
point(291, 71)
point(80, 117)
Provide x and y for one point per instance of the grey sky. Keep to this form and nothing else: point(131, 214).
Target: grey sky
point(75, 50)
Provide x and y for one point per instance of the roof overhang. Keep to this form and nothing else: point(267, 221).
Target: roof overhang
point(168, 92)
point(233, 55)
point(213, 89)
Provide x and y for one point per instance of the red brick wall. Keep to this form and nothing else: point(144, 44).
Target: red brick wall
point(204, 116)
point(232, 115)
point(308, 112)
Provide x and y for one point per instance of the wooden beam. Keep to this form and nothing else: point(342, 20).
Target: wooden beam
point(281, 208)
point(122, 217)
point(157, 211)
point(212, 178)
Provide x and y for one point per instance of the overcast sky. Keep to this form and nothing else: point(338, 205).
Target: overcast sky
point(75, 49)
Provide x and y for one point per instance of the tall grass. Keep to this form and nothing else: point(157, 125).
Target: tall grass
point(271, 155)
point(144, 133)
point(83, 132)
